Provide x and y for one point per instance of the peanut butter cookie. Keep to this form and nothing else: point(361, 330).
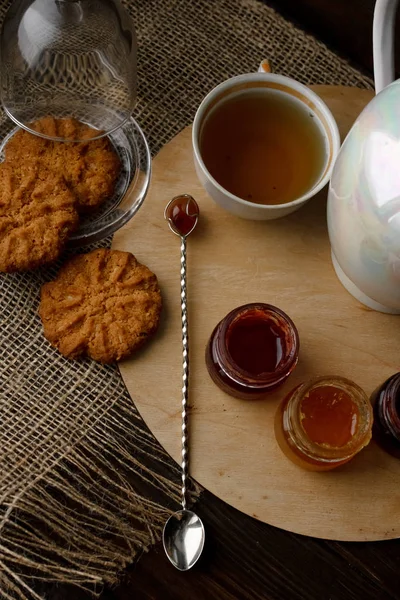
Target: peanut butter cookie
point(37, 215)
point(103, 304)
point(90, 168)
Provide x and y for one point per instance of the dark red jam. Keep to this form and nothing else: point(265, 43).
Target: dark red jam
point(386, 404)
point(182, 213)
point(255, 343)
point(252, 350)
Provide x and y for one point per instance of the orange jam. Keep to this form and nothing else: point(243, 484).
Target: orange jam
point(329, 416)
point(324, 423)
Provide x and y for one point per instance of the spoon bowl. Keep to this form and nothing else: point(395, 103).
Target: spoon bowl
point(183, 539)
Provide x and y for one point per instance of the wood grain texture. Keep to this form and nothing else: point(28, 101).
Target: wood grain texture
point(287, 263)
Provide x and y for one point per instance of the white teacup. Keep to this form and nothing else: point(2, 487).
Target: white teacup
point(298, 93)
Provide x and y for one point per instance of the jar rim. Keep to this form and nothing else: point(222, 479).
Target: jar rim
point(285, 365)
point(388, 409)
point(320, 452)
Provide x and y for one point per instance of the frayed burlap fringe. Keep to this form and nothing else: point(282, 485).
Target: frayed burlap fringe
point(84, 487)
point(84, 521)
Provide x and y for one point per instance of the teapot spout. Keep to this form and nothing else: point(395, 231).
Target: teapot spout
point(383, 42)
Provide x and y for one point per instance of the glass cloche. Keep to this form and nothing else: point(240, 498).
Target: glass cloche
point(77, 59)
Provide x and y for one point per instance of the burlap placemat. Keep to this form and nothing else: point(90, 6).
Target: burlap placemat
point(84, 487)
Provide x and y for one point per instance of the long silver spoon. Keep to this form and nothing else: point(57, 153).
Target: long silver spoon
point(183, 535)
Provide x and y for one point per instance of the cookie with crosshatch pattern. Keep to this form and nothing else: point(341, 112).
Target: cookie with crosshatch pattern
point(90, 167)
point(37, 216)
point(103, 304)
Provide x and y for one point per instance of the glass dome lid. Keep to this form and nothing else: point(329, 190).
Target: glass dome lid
point(68, 58)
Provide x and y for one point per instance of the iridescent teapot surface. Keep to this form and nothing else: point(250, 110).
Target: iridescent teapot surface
point(364, 192)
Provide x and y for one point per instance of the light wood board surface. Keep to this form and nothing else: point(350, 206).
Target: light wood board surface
point(284, 262)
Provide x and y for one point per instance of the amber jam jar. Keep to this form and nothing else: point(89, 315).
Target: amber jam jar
point(252, 350)
point(324, 423)
point(386, 403)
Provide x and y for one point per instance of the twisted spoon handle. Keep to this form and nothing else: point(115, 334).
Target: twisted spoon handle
point(185, 374)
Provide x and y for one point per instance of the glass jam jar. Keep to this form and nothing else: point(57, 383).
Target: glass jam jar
point(252, 350)
point(386, 404)
point(324, 423)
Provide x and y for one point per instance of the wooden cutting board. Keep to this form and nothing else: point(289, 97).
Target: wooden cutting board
point(287, 263)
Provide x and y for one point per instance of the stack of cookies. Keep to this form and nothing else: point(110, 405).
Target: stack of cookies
point(45, 186)
point(103, 304)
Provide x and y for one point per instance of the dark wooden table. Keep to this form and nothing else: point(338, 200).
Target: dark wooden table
point(248, 560)
point(243, 558)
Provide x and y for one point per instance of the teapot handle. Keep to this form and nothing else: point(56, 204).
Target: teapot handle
point(383, 42)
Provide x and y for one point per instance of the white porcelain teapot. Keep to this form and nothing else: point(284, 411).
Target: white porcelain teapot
point(364, 192)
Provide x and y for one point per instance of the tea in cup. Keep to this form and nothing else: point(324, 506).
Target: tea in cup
point(263, 145)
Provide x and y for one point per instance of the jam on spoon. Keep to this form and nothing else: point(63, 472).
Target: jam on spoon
point(182, 214)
